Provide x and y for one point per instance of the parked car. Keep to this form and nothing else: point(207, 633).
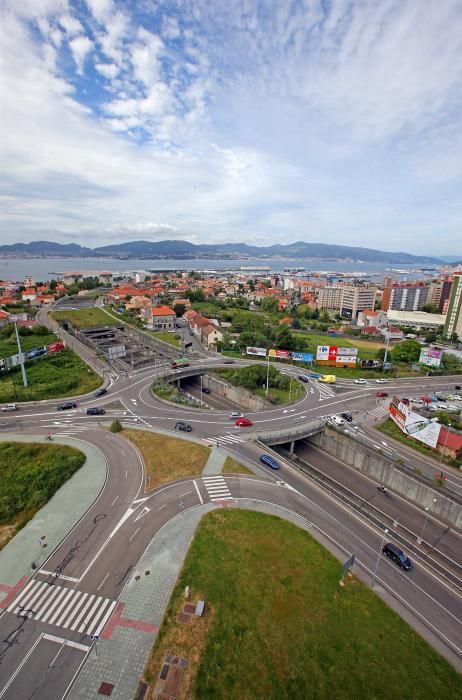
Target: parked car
point(346, 415)
point(405, 401)
point(398, 556)
point(243, 422)
point(95, 411)
point(236, 414)
point(100, 392)
point(381, 394)
point(206, 390)
point(457, 397)
point(337, 420)
point(381, 381)
point(458, 387)
point(270, 461)
point(302, 378)
point(66, 406)
point(360, 381)
point(181, 425)
point(9, 407)
point(228, 362)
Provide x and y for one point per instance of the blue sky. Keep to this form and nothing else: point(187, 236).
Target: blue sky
point(261, 121)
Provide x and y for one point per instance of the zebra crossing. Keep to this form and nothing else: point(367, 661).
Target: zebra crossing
point(229, 439)
point(325, 391)
point(63, 607)
point(379, 412)
point(216, 488)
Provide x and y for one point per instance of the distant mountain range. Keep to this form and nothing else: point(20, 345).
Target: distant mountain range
point(183, 250)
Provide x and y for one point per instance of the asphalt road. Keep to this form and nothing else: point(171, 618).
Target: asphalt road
point(69, 599)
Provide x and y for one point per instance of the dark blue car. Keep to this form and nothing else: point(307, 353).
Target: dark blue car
point(270, 462)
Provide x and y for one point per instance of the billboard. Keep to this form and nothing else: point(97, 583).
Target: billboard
point(261, 352)
point(371, 364)
point(284, 354)
point(430, 357)
point(413, 424)
point(334, 356)
point(322, 353)
point(347, 352)
point(302, 356)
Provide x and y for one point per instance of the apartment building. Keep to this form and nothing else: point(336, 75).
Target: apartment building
point(330, 298)
point(356, 299)
point(405, 297)
point(453, 325)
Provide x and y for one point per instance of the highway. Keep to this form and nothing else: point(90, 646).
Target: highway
point(72, 596)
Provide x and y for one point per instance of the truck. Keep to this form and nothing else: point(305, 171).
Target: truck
point(178, 364)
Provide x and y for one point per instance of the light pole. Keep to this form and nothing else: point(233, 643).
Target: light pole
point(374, 577)
point(267, 375)
point(420, 539)
point(445, 442)
point(201, 390)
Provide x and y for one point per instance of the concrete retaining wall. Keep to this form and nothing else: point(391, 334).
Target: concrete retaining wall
point(386, 472)
point(236, 394)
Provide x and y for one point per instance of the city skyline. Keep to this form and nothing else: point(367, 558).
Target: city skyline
point(323, 122)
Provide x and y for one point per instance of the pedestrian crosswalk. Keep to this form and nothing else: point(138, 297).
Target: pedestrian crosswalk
point(379, 411)
point(63, 607)
point(216, 488)
point(325, 391)
point(228, 439)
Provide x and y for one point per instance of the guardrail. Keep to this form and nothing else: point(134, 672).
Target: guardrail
point(277, 437)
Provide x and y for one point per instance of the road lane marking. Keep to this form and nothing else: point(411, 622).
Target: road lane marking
point(66, 642)
point(135, 533)
point(63, 576)
point(198, 492)
point(162, 506)
point(144, 512)
point(184, 494)
point(10, 681)
point(102, 582)
point(115, 499)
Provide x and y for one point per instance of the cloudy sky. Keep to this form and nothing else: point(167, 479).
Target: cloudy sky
point(233, 120)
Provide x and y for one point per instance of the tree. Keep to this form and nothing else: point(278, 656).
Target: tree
point(179, 309)
point(52, 285)
point(431, 337)
point(430, 308)
point(406, 351)
point(270, 304)
point(284, 339)
point(296, 325)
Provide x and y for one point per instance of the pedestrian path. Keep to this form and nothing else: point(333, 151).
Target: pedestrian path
point(228, 439)
point(216, 488)
point(63, 607)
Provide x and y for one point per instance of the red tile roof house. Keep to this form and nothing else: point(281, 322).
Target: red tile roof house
point(4, 318)
point(160, 318)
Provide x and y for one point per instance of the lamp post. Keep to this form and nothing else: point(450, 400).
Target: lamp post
point(267, 374)
point(420, 539)
point(374, 577)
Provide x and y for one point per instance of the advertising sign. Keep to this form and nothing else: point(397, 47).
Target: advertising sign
point(370, 364)
point(345, 361)
point(345, 352)
point(322, 353)
point(413, 424)
point(261, 352)
point(302, 356)
point(430, 357)
point(332, 353)
point(284, 354)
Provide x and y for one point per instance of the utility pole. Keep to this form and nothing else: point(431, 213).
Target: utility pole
point(267, 374)
point(386, 350)
point(21, 358)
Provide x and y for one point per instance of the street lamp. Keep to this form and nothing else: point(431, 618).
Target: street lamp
point(385, 532)
point(419, 539)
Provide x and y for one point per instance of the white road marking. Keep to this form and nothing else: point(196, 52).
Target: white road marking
point(184, 494)
point(115, 499)
point(102, 582)
point(135, 533)
point(66, 642)
point(11, 679)
point(144, 512)
point(198, 492)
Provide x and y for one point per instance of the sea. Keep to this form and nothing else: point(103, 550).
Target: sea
point(41, 269)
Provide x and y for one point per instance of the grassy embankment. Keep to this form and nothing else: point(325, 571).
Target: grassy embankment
point(170, 338)
point(277, 624)
point(86, 318)
point(29, 476)
point(392, 430)
point(232, 466)
point(167, 458)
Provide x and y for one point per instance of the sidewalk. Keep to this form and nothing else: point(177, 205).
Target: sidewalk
point(56, 518)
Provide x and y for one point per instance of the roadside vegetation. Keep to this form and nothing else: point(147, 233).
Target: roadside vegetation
point(277, 625)
point(85, 318)
point(29, 338)
point(169, 392)
point(49, 377)
point(170, 338)
point(253, 378)
point(232, 466)
point(392, 430)
point(167, 458)
point(30, 473)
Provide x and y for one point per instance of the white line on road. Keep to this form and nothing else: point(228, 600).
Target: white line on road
point(162, 506)
point(198, 492)
point(102, 582)
point(5, 687)
point(145, 511)
point(135, 533)
point(184, 494)
point(115, 499)
point(65, 642)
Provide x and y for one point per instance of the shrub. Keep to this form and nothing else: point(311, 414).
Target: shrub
point(116, 426)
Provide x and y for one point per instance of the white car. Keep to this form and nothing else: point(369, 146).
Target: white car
point(337, 420)
point(381, 381)
point(456, 397)
point(236, 414)
point(9, 407)
point(360, 381)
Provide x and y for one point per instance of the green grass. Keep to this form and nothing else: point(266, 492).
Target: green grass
point(86, 318)
point(9, 346)
point(232, 466)
point(29, 476)
point(278, 626)
point(281, 396)
point(392, 430)
point(171, 338)
point(53, 376)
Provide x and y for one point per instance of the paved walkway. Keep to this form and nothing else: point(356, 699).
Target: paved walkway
point(215, 462)
point(57, 517)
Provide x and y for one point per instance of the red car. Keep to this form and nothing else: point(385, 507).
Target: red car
point(382, 394)
point(243, 422)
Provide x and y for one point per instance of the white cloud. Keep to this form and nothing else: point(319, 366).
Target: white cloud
point(145, 58)
point(100, 9)
point(109, 70)
point(71, 25)
point(80, 47)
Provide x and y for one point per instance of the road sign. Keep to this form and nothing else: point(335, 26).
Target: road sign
point(347, 566)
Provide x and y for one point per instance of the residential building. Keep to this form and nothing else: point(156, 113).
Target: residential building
point(453, 325)
point(210, 336)
point(405, 297)
point(4, 318)
point(160, 318)
point(330, 298)
point(370, 317)
point(29, 294)
point(356, 299)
